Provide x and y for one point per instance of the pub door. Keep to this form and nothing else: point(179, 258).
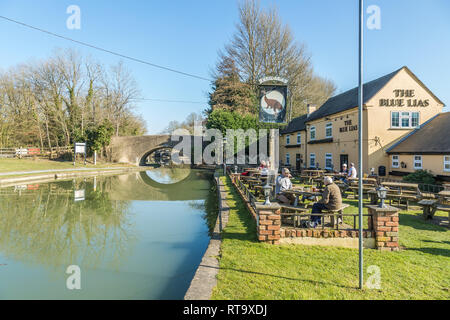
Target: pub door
point(298, 161)
point(344, 159)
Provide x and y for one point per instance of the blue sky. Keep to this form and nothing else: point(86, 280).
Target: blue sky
point(186, 35)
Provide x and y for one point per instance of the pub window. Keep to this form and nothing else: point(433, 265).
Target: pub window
point(329, 130)
point(288, 139)
point(418, 162)
point(288, 159)
point(313, 133)
point(395, 162)
point(405, 119)
point(312, 160)
point(395, 119)
point(415, 119)
point(299, 138)
point(447, 163)
point(329, 161)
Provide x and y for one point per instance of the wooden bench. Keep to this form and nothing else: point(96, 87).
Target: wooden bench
point(337, 214)
point(291, 212)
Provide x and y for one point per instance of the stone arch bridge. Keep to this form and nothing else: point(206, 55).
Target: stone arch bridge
point(136, 149)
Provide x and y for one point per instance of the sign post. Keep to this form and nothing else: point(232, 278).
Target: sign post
point(360, 138)
point(273, 96)
point(79, 148)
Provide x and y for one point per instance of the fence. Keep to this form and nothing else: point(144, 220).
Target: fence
point(32, 152)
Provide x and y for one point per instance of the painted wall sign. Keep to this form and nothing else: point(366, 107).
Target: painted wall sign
point(404, 98)
point(348, 127)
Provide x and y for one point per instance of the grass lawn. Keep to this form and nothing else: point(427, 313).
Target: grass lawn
point(254, 270)
point(12, 165)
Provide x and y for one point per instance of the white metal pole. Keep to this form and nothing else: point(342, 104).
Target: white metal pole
point(360, 136)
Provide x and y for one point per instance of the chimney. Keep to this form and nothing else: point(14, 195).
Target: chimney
point(310, 108)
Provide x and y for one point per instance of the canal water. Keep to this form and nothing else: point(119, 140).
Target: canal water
point(134, 236)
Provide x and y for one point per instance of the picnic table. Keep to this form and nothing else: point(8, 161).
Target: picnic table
point(369, 184)
point(309, 175)
point(297, 192)
point(431, 206)
point(399, 191)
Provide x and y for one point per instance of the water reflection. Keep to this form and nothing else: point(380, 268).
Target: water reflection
point(167, 175)
point(46, 225)
point(130, 238)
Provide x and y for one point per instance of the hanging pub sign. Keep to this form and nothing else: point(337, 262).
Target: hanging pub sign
point(273, 92)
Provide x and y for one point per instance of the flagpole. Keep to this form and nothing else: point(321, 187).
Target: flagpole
point(360, 137)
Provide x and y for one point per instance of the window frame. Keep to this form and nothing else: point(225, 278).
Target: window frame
point(311, 130)
point(312, 155)
point(409, 115)
point(447, 162)
point(398, 161)
point(288, 139)
point(329, 125)
point(329, 156)
point(288, 158)
point(299, 138)
point(415, 161)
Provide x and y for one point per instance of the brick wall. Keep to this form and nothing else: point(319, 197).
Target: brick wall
point(383, 225)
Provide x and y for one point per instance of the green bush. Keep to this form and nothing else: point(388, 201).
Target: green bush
point(420, 176)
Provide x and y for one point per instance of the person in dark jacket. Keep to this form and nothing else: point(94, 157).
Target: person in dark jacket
point(331, 200)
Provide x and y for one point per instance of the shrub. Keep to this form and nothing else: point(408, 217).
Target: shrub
point(420, 176)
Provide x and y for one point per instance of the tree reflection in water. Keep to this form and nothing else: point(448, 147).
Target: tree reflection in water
point(47, 226)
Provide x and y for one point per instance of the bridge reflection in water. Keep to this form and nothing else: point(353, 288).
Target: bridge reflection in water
point(133, 237)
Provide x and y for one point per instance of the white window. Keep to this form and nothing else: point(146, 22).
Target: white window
point(405, 119)
point(312, 160)
point(299, 138)
point(329, 161)
point(288, 158)
point(329, 130)
point(288, 139)
point(415, 119)
point(447, 163)
point(395, 162)
point(313, 133)
point(395, 120)
point(417, 162)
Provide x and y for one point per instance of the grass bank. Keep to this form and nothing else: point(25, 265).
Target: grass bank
point(253, 270)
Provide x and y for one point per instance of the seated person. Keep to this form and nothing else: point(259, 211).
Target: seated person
point(344, 172)
point(284, 183)
point(331, 200)
point(263, 168)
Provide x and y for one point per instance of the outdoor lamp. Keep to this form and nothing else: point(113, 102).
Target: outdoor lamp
point(267, 190)
point(381, 193)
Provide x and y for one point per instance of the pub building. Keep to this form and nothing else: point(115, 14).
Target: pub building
point(404, 130)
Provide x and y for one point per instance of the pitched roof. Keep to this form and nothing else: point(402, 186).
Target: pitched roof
point(433, 137)
point(349, 99)
point(297, 124)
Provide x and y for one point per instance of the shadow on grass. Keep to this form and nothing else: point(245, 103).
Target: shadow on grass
point(417, 222)
point(433, 251)
point(243, 215)
point(282, 277)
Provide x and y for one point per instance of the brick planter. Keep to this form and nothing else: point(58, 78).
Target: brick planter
point(385, 226)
